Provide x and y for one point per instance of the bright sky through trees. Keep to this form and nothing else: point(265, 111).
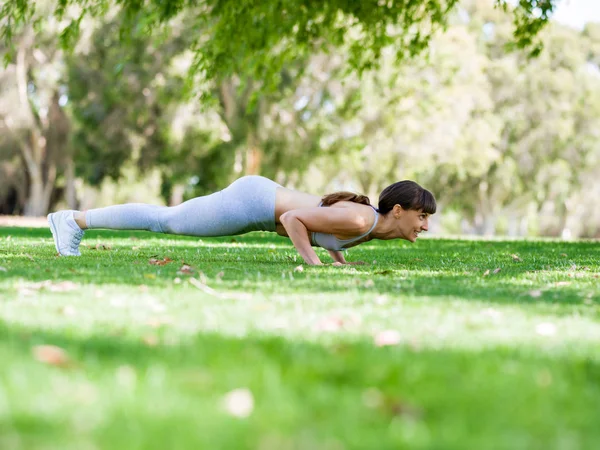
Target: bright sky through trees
point(577, 13)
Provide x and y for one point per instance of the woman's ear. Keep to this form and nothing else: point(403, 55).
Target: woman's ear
point(397, 211)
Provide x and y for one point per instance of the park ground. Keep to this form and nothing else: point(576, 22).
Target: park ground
point(158, 342)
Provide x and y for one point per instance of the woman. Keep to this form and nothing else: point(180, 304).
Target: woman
point(336, 222)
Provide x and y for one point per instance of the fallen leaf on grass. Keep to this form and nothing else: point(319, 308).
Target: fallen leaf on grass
point(404, 409)
point(486, 273)
point(497, 270)
point(159, 262)
point(564, 255)
point(51, 354)
point(373, 398)
point(101, 246)
point(330, 324)
point(299, 268)
point(239, 402)
point(516, 258)
point(563, 283)
point(535, 293)
point(220, 275)
point(186, 269)
point(387, 337)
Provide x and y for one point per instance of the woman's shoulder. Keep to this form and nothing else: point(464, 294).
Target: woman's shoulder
point(363, 215)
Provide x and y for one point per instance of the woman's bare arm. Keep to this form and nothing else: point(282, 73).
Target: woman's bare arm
point(337, 256)
point(298, 233)
point(298, 222)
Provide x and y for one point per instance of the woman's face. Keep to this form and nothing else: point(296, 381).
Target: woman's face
point(411, 223)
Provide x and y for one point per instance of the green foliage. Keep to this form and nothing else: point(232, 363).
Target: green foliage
point(123, 99)
point(501, 138)
point(261, 37)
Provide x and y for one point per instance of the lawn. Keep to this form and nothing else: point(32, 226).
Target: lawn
point(150, 341)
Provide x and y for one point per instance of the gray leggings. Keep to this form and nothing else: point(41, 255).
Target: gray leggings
point(248, 204)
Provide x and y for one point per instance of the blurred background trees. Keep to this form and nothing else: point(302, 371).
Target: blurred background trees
point(508, 143)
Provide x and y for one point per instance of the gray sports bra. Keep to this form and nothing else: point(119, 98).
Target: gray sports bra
point(330, 242)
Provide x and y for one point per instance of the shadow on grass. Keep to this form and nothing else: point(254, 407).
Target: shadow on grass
point(353, 361)
point(447, 269)
point(350, 390)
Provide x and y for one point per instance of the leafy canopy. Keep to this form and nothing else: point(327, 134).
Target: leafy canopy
point(260, 36)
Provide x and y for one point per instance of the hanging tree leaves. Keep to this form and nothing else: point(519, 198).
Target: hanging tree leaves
point(260, 36)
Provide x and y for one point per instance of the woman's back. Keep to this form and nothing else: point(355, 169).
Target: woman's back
point(288, 199)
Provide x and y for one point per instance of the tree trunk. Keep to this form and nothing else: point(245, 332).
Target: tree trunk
point(36, 204)
point(45, 144)
point(485, 218)
point(253, 160)
point(176, 197)
point(70, 190)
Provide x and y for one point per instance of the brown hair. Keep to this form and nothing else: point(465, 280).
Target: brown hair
point(407, 194)
point(344, 196)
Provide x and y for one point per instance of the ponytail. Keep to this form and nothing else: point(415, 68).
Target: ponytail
point(330, 199)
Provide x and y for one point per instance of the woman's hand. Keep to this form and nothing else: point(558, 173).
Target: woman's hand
point(298, 234)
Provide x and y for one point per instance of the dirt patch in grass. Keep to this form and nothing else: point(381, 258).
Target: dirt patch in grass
point(22, 221)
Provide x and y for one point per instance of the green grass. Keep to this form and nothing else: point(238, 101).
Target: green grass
point(507, 360)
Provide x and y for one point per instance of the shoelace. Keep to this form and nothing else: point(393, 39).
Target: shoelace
point(76, 239)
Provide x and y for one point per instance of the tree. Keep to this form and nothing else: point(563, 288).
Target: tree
point(261, 37)
point(32, 115)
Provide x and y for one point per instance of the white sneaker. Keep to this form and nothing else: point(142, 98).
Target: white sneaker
point(66, 233)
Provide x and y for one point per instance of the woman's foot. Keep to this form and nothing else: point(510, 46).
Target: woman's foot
point(66, 233)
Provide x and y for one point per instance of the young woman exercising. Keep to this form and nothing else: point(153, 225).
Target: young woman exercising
point(253, 203)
